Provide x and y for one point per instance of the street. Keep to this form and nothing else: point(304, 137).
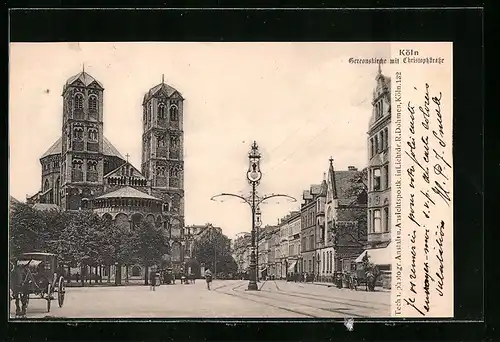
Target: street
point(227, 299)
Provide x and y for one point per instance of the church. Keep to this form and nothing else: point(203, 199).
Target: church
point(83, 170)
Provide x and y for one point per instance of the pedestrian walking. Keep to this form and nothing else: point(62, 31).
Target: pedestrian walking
point(152, 281)
point(208, 278)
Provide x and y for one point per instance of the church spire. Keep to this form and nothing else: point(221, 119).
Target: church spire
point(162, 78)
point(83, 68)
point(331, 172)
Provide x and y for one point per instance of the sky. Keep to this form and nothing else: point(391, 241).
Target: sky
point(301, 102)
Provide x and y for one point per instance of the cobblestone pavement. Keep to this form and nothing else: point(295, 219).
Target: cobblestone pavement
point(227, 299)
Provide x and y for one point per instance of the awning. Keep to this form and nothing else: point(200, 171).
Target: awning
point(378, 256)
point(291, 268)
point(33, 263)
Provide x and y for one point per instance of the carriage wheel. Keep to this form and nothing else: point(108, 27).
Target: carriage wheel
point(61, 291)
point(49, 296)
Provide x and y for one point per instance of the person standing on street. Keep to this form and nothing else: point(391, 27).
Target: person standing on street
point(208, 278)
point(152, 280)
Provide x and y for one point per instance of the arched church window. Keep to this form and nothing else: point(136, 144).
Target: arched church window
point(174, 113)
point(174, 141)
point(160, 171)
point(174, 173)
point(78, 133)
point(77, 164)
point(93, 104)
point(92, 165)
point(161, 141)
point(92, 134)
point(161, 111)
point(78, 101)
point(46, 185)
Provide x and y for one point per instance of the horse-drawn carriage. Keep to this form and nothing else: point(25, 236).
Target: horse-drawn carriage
point(168, 276)
point(362, 275)
point(38, 275)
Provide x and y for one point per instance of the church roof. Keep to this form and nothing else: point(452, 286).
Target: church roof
point(46, 206)
point(128, 192)
point(14, 200)
point(83, 77)
point(108, 149)
point(162, 87)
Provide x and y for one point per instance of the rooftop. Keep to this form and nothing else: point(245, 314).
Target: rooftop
point(107, 148)
point(82, 77)
point(45, 206)
point(128, 192)
point(162, 87)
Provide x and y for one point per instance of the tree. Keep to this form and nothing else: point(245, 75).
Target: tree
point(148, 245)
point(213, 250)
point(358, 187)
point(29, 230)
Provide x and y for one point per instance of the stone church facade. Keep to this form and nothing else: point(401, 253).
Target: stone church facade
point(83, 170)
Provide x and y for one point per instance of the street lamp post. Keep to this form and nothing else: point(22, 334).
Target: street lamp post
point(258, 223)
point(318, 261)
point(254, 175)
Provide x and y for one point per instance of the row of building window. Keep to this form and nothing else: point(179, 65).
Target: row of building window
point(378, 145)
point(379, 109)
point(174, 141)
point(78, 165)
point(379, 178)
point(308, 219)
point(91, 134)
point(308, 243)
point(327, 262)
point(92, 101)
point(173, 111)
point(379, 224)
point(160, 172)
point(54, 165)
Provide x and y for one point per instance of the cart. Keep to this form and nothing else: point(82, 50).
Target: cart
point(42, 278)
point(168, 277)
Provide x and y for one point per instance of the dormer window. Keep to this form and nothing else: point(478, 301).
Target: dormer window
point(93, 104)
point(161, 111)
point(174, 113)
point(78, 102)
point(92, 134)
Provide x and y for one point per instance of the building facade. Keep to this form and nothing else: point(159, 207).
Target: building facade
point(83, 170)
point(379, 180)
point(294, 253)
point(308, 230)
point(345, 229)
point(283, 247)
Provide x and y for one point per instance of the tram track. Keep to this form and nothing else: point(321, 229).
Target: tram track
point(261, 298)
point(330, 299)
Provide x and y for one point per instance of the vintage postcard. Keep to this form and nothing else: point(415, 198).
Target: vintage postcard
point(231, 180)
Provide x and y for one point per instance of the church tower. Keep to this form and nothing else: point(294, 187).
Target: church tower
point(82, 140)
point(163, 156)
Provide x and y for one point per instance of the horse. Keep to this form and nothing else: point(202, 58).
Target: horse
point(19, 288)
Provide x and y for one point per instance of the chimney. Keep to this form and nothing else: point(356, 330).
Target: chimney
point(352, 168)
